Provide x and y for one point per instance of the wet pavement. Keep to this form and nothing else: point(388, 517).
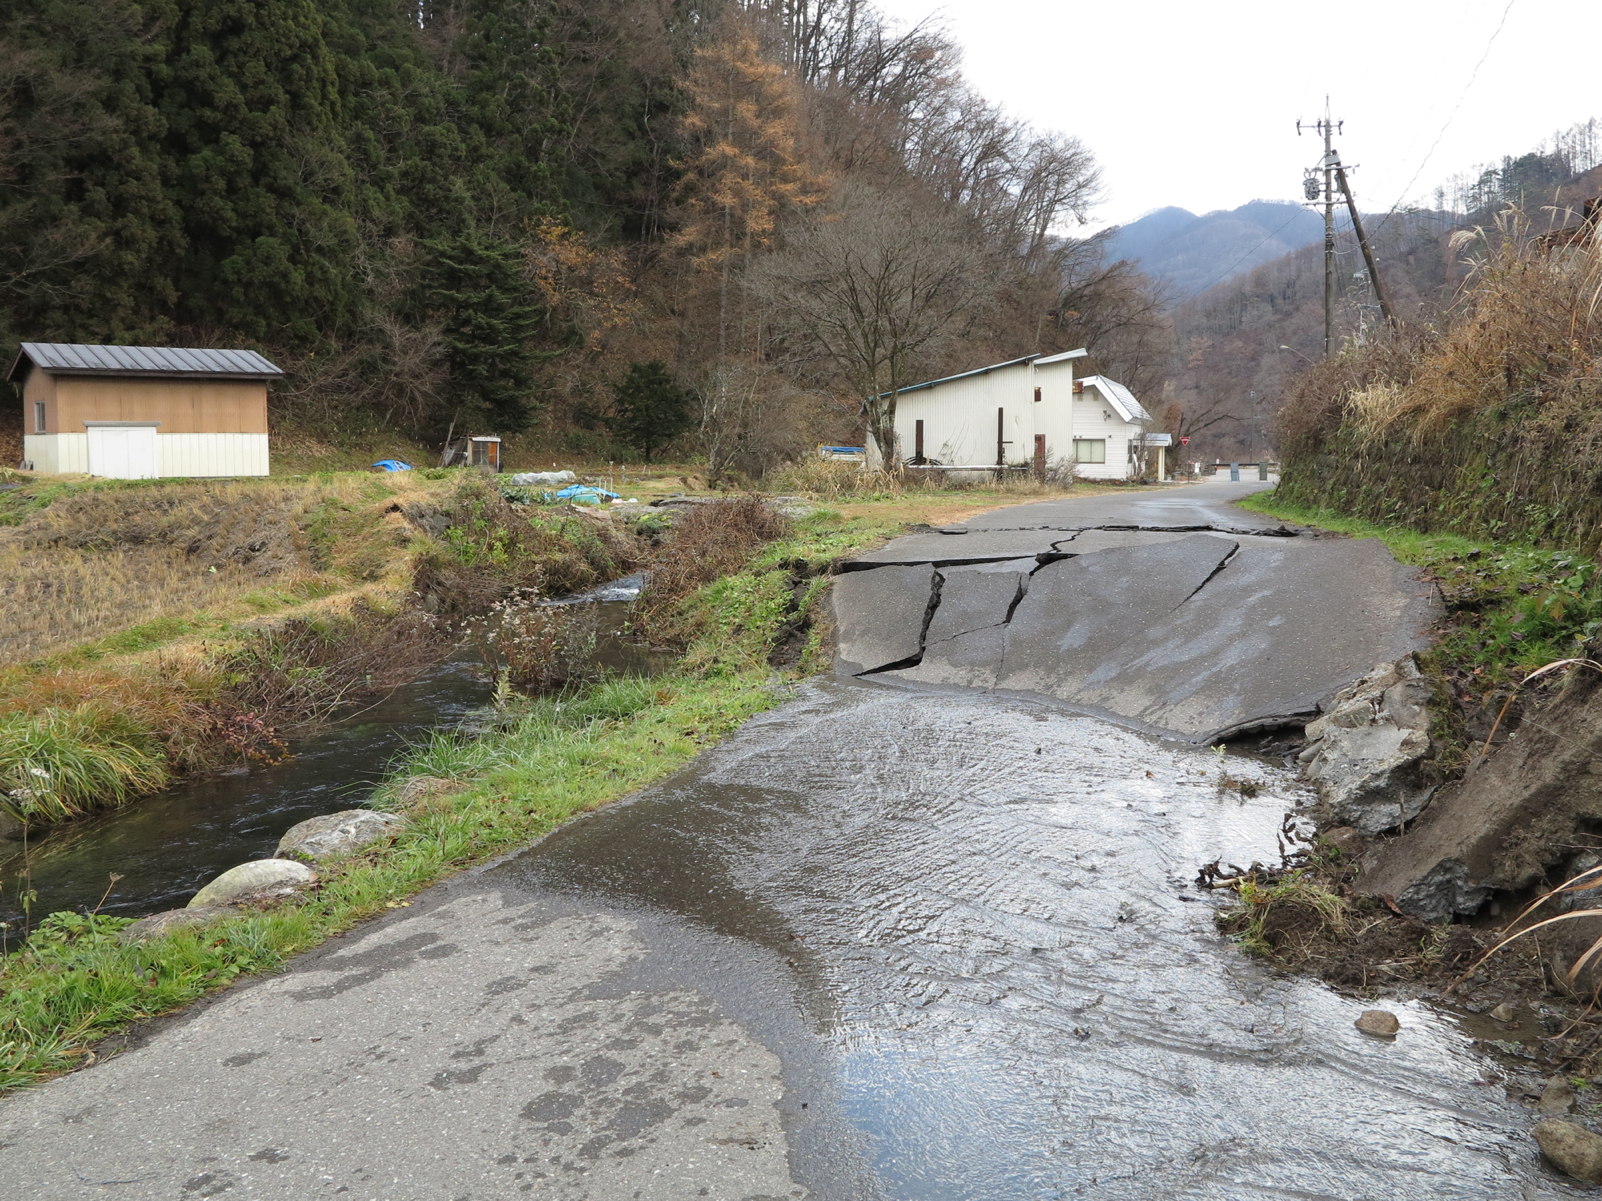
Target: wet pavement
point(882, 943)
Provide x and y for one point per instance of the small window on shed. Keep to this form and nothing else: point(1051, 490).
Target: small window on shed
point(38, 416)
point(1090, 450)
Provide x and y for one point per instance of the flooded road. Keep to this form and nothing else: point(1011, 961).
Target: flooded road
point(1005, 974)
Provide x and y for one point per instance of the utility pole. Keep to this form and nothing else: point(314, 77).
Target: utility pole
point(1362, 240)
point(1311, 189)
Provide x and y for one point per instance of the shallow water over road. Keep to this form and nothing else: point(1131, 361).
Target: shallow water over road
point(1001, 976)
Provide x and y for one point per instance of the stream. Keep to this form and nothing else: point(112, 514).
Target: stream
point(164, 848)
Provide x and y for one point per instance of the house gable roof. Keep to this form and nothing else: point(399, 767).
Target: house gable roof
point(1120, 397)
point(1037, 360)
point(71, 358)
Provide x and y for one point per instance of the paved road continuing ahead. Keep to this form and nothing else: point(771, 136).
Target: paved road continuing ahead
point(883, 943)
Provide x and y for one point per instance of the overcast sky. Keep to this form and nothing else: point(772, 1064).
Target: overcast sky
point(1196, 104)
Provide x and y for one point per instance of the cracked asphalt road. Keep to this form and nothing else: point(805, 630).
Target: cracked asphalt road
point(1173, 611)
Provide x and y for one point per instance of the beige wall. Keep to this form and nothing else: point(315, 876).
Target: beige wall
point(208, 406)
point(38, 386)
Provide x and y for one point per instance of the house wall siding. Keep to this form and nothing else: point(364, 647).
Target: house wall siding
point(1095, 418)
point(57, 454)
point(208, 406)
point(211, 454)
point(959, 417)
point(176, 454)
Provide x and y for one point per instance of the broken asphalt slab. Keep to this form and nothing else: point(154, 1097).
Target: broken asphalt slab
point(1204, 634)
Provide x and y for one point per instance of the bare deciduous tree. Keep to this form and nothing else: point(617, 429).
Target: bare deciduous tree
point(873, 286)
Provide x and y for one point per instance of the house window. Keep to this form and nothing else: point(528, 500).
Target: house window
point(1090, 450)
point(38, 416)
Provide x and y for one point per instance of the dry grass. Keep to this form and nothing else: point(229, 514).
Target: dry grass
point(707, 542)
point(102, 560)
point(1527, 325)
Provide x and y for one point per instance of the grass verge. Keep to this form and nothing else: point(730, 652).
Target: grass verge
point(76, 983)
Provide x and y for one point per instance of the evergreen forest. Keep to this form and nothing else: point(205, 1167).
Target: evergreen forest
point(493, 215)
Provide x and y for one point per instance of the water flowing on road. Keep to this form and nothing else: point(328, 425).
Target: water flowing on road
point(1008, 978)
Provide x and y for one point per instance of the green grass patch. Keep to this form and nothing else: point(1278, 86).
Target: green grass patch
point(63, 763)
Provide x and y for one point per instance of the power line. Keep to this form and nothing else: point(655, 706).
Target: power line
point(1450, 117)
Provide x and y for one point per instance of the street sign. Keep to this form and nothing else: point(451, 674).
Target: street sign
point(1159, 439)
point(1185, 441)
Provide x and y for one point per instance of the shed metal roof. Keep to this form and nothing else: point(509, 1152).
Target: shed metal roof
point(70, 358)
point(1028, 358)
point(1120, 397)
point(1061, 358)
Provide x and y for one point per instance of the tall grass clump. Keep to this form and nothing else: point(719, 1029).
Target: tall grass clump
point(709, 542)
point(64, 763)
point(1489, 425)
point(492, 547)
point(838, 479)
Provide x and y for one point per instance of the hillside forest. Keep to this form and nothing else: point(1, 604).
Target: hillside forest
point(492, 215)
point(619, 226)
point(1241, 345)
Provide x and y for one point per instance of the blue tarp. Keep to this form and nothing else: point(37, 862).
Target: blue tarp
point(583, 494)
point(393, 465)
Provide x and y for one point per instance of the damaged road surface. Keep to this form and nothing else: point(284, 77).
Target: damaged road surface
point(1168, 612)
point(883, 944)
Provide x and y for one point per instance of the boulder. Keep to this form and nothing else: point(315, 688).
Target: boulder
point(1571, 1148)
point(1444, 890)
point(256, 880)
point(335, 834)
point(1364, 753)
point(1557, 1097)
point(172, 919)
point(422, 793)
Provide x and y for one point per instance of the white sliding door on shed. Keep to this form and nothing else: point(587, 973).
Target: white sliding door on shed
point(122, 451)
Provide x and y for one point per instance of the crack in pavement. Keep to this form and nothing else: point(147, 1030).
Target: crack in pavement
point(1222, 563)
point(1276, 531)
point(1042, 559)
point(912, 660)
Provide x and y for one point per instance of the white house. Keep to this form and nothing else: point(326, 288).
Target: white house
point(1005, 412)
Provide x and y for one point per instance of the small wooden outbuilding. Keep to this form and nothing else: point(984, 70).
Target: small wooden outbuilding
point(143, 412)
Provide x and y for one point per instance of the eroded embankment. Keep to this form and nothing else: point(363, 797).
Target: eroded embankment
point(1207, 631)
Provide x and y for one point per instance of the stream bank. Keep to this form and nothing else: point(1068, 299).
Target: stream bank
point(538, 764)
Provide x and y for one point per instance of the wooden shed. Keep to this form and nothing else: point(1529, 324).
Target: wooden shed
point(143, 412)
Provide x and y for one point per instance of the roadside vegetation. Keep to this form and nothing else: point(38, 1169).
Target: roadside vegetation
point(1485, 426)
point(737, 594)
point(1469, 450)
